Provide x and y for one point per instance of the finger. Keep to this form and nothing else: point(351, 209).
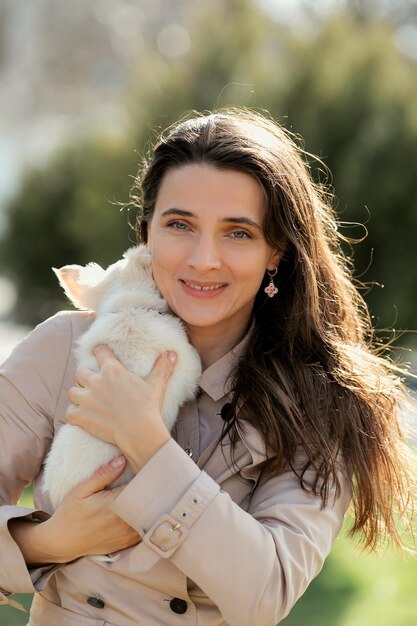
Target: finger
point(102, 477)
point(76, 394)
point(71, 415)
point(104, 354)
point(115, 491)
point(163, 368)
point(83, 376)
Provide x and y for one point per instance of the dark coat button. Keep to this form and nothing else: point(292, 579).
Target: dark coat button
point(226, 413)
point(178, 606)
point(97, 603)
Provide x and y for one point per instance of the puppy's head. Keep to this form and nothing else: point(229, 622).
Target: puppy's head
point(136, 267)
point(88, 286)
point(81, 284)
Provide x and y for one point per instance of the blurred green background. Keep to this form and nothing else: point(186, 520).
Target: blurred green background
point(85, 89)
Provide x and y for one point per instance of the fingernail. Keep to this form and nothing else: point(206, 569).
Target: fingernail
point(118, 462)
point(172, 357)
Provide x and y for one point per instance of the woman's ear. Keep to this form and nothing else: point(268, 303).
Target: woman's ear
point(276, 255)
point(148, 238)
point(274, 261)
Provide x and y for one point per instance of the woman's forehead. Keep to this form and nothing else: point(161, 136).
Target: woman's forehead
point(201, 187)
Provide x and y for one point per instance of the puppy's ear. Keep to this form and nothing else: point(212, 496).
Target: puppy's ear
point(139, 255)
point(81, 284)
point(137, 266)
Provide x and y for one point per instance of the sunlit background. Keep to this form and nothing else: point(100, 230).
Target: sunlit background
point(84, 88)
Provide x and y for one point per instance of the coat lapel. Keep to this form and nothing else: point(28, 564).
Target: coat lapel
point(249, 456)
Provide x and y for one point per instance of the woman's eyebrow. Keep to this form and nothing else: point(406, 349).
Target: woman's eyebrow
point(230, 220)
point(242, 220)
point(175, 211)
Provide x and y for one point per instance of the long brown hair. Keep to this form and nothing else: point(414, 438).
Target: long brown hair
point(312, 377)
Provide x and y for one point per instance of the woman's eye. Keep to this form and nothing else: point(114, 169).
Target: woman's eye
point(240, 234)
point(176, 225)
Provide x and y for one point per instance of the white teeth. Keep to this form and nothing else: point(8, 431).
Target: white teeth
point(201, 288)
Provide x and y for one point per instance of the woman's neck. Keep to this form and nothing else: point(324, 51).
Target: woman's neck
point(213, 343)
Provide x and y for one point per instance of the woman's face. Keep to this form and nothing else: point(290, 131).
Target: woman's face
point(209, 255)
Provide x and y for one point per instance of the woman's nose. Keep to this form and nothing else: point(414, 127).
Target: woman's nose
point(204, 255)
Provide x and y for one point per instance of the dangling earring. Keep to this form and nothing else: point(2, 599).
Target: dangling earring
point(272, 289)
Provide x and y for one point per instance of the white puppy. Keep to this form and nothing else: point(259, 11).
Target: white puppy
point(133, 320)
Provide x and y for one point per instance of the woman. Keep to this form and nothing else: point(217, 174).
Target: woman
point(231, 515)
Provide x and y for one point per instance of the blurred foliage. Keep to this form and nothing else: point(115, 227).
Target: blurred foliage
point(351, 98)
point(66, 213)
point(343, 86)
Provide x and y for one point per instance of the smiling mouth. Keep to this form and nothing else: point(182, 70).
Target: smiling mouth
point(200, 287)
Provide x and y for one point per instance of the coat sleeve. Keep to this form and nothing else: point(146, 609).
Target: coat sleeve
point(272, 552)
point(30, 384)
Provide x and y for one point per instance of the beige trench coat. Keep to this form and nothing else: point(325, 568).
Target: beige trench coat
point(244, 547)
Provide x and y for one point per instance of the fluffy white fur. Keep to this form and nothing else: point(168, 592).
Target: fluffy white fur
point(133, 320)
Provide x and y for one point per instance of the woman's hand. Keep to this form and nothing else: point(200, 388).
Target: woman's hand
point(121, 408)
point(82, 524)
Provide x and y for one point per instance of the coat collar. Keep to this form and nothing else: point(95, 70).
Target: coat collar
point(215, 380)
